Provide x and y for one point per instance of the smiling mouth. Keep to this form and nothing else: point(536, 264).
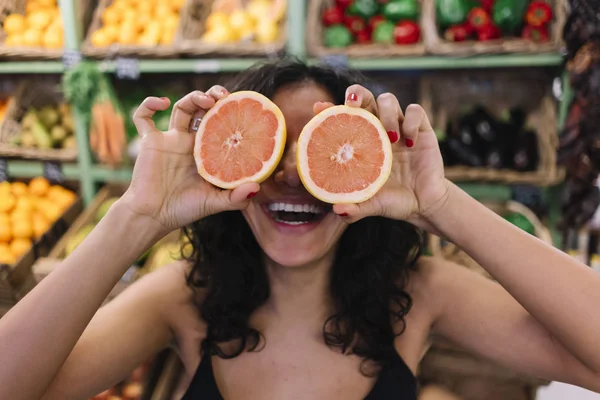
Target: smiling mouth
point(296, 214)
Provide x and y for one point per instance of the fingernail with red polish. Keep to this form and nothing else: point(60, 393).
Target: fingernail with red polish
point(352, 97)
point(409, 142)
point(251, 195)
point(164, 98)
point(343, 214)
point(394, 136)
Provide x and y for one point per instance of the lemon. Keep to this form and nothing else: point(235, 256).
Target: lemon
point(219, 35)
point(128, 35)
point(167, 37)
point(216, 19)
point(241, 21)
point(111, 32)
point(259, 9)
point(101, 38)
point(267, 32)
point(15, 24)
point(32, 38)
point(39, 20)
point(111, 16)
point(171, 22)
point(53, 39)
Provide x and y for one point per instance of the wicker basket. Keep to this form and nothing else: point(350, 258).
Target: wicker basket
point(192, 28)
point(117, 50)
point(7, 7)
point(30, 94)
point(437, 45)
point(448, 251)
point(444, 95)
point(316, 47)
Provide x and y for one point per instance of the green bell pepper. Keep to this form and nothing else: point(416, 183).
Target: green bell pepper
point(364, 8)
point(451, 12)
point(399, 10)
point(384, 32)
point(337, 36)
point(508, 15)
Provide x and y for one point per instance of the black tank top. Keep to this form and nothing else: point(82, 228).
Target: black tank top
point(395, 381)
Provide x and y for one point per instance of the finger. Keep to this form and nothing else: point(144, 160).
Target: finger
point(390, 115)
point(236, 199)
point(192, 105)
point(320, 106)
point(415, 121)
point(358, 96)
point(217, 92)
point(355, 212)
point(142, 118)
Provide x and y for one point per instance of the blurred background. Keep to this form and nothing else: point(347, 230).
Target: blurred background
point(512, 88)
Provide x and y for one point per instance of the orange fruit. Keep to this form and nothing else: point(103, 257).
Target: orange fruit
point(19, 188)
point(22, 229)
point(14, 40)
point(7, 202)
point(40, 224)
point(24, 204)
point(39, 20)
point(103, 37)
point(15, 24)
point(111, 16)
point(241, 139)
point(32, 38)
point(344, 155)
point(39, 186)
point(5, 231)
point(6, 255)
point(20, 246)
point(5, 187)
point(53, 39)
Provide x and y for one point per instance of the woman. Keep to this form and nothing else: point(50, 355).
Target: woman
point(337, 307)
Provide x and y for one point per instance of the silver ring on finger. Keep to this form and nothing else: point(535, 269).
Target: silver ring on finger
point(195, 124)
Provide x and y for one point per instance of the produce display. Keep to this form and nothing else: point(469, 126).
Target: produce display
point(232, 21)
point(348, 167)
point(138, 22)
point(27, 211)
point(50, 127)
point(130, 389)
point(480, 139)
point(41, 26)
point(371, 21)
point(89, 89)
point(484, 20)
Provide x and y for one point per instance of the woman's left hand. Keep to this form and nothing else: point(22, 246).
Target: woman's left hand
point(416, 186)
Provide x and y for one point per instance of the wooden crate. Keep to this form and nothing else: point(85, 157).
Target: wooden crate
point(17, 279)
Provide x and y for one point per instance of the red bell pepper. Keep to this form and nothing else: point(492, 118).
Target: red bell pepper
point(363, 37)
point(407, 32)
point(487, 5)
point(537, 34)
point(333, 16)
point(343, 4)
point(355, 24)
point(488, 32)
point(478, 18)
point(374, 21)
point(539, 13)
point(457, 33)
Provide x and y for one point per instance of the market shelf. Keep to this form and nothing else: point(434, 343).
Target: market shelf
point(104, 174)
point(207, 65)
point(31, 67)
point(29, 169)
point(436, 62)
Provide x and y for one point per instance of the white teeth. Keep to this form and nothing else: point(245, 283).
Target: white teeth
point(311, 208)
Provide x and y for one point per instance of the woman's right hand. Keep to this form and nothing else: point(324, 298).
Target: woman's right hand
point(166, 185)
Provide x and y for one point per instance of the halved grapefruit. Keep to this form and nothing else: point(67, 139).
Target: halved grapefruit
point(344, 155)
point(241, 139)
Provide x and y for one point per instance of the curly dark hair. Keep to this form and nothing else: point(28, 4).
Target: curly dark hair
point(368, 278)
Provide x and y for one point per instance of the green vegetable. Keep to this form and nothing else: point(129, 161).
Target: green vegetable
point(451, 12)
point(337, 36)
point(384, 32)
point(364, 8)
point(397, 10)
point(520, 221)
point(508, 15)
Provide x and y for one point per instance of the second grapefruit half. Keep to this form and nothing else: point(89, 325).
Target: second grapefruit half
point(240, 140)
point(344, 155)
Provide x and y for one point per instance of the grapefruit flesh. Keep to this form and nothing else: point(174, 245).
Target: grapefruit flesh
point(240, 140)
point(344, 155)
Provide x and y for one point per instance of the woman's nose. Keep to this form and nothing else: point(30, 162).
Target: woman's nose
point(286, 172)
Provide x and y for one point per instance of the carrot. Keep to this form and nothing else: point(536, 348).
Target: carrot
point(114, 142)
point(98, 114)
point(93, 137)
